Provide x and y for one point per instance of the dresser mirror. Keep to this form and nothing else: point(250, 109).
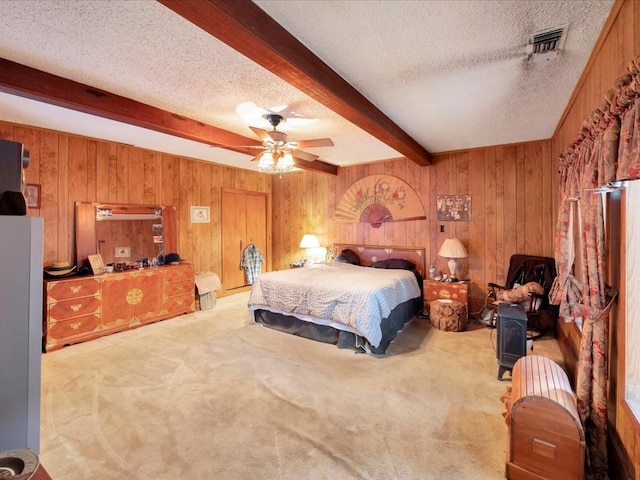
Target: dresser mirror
point(123, 234)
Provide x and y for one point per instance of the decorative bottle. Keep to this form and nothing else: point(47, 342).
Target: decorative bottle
point(432, 272)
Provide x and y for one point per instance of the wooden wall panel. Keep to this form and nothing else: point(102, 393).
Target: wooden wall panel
point(65, 203)
point(72, 168)
point(503, 218)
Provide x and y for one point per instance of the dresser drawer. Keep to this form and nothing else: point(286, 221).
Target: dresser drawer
point(75, 327)
point(72, 288)
point(179, 288)
point(180, 304)
point(74, 308)
point(178, 273)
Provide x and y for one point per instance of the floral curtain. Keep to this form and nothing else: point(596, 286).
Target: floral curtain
point(607, 150)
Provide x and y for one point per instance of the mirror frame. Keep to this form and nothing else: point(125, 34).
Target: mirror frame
point(86, 224)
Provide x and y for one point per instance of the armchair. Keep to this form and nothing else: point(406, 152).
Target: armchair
point(528, 282)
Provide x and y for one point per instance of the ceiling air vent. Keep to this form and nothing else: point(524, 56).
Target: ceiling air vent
point(546, 44)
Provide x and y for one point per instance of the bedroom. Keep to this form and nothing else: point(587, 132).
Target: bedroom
point(70, 167)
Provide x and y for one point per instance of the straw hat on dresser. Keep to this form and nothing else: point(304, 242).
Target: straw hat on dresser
point(58, 269)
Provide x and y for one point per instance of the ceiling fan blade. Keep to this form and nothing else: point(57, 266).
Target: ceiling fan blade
point(257, 157)
point(317, 142)
point(262, 134)
point(307, 157)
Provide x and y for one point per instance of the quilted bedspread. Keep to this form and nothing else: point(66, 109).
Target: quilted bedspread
point(359, 297)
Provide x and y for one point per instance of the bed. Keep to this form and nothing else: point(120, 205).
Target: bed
point(362, 307)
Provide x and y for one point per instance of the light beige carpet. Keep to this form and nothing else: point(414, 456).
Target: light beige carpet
point(212, 396)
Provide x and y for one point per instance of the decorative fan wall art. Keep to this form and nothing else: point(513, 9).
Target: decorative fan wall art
point(376, 199)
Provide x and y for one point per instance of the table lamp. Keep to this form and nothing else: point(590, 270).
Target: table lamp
point(452, 249)
point(312, 245)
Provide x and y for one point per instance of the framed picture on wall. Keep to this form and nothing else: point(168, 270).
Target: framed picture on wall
point(32, 195)
point(200, 215)
point(454, 208)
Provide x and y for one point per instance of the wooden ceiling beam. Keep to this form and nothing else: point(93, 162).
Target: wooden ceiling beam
point(245, 27)
point(27, 82)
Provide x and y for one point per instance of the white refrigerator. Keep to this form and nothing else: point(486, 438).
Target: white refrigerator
point(21, 245)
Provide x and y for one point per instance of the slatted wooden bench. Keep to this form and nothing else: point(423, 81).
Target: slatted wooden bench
point(546, 438)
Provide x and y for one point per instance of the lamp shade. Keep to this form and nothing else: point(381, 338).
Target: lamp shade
point(452, 248)
point(286, 162)
point(309, 241)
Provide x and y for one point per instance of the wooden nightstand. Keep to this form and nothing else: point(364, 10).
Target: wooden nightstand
point(434, 290)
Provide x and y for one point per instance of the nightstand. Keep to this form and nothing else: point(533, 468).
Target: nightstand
point(435, 290)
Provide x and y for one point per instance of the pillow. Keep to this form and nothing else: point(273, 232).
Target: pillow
point(401, 263)
point(521, 293)
point(348, 256)
point(381, 264)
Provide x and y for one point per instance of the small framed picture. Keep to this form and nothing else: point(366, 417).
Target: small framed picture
point(123, 252)
point(32, 195)
point(200, 215)
point(97, 265)
point(454, 208)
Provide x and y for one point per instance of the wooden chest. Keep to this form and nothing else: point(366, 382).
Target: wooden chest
point(546, 438)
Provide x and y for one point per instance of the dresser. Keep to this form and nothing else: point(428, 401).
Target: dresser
point(78, 309)
point(435, 290)
point(72, 309)
point(178, 290)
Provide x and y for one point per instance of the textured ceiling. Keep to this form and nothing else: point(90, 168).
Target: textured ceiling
point(451, 74)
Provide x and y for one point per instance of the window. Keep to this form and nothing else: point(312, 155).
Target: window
point(632, 297)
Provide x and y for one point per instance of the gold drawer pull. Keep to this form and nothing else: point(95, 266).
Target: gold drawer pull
point(77, 307)
point(76, 325)
point(76, 289)
point(179, 302)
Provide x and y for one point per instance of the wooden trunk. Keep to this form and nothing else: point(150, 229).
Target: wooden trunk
point(546, 438)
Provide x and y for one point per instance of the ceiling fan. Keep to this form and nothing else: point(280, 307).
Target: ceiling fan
point(279, 153)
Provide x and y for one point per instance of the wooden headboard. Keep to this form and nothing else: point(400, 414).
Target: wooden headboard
point(370, 254)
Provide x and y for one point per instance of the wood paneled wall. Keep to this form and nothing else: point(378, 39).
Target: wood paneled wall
point(619, 43)
point(71, 168)
point(513, 200)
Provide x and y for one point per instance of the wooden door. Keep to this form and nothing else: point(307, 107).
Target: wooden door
point(244, 221)
point(233, 234)
point(257, 222)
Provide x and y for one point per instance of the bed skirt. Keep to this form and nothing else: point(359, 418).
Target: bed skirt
point(391, 325)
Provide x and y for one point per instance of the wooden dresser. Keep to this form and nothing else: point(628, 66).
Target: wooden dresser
point(436, 290)
point(78, 309)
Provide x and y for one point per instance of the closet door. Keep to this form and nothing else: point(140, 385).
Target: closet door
point(256, 215)
point(244, 221)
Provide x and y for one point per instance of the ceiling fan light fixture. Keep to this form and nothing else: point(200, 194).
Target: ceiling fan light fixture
point(286, 163)
point(266, 163)
point(276, 162)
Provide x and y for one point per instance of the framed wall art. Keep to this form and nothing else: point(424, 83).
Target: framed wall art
point(200, 214)
point(32, 195)
point(376, 199)
point(454, 208)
